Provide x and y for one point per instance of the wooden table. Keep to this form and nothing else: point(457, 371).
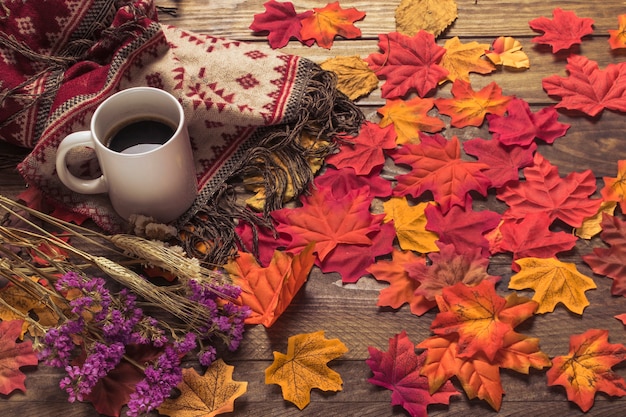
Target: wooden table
point(349, 312)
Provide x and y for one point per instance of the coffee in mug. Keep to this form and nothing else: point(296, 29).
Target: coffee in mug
point(142, 145)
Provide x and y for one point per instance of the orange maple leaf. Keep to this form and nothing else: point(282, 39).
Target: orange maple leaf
point(469, 107)
point(462, 58)
point(402, 288)
point(327, 22)
point(268, 291)
point(615, 188)
point(304, 367)
point(207, 395)
point(479, 316)
point(617, 37)
point(409, 117)
point(586, 369)
point(507, 51)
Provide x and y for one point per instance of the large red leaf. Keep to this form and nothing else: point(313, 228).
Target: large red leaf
point(398, 369)
point(521, 126)
point(504, 162)
point(436, 166)
point(281, 21)
point(462, 227)
point(408, 63)
point(339, 182)
point(587, 88)
point(544, 191)
point(13, 356)
point(365, 151)
point(564, 30)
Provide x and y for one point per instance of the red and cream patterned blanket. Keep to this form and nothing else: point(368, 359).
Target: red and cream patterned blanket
point(245, 103)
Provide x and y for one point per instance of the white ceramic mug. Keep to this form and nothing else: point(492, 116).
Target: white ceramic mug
point(156, 180)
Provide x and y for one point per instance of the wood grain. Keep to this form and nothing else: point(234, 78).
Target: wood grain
point(349, 312)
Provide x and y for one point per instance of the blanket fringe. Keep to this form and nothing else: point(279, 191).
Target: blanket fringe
point(277, 157)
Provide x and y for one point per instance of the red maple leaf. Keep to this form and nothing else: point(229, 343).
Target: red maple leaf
point(13, 356)
point(402, 287)
point(587, 88)
point(281, 21)
point(504, 162)
point(611, 262)
point(342, 181)
point(531, 237)
point(480, 317)
point(564, 30)
point(347, 236)
point(469, 107)
point(462, 227)
point(398, 370)
point(260, 241)
point(365, 152)
point(110, 393)
point(545, 191)
point(408, 63)
point(447, 268)
point(521, 126)
point(436, 166)
point(329, 21)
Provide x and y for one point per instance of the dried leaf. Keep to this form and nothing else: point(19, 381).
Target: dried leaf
point(269, 291)
point(208, 395)
point(329, 21)
point(13, 356)
point(410, 225)
point(433, 16)
point(398, 370)
point(507, 51)
point(462, 58)
point(554, 282)
point(354, 77)
point(409, 118)
point(586, 369)
point(304, 367)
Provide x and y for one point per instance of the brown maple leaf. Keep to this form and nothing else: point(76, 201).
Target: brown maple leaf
point(208, 395)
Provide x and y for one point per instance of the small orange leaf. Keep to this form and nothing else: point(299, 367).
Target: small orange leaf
point(462, 58)
point(615, 188)
point(208, 395)
point(554, 282)
point(469, 107)
point(617, 37)
point(268, 291)
point(304, 367)
point(409, 118)
point(586, 369)
point(327, 22)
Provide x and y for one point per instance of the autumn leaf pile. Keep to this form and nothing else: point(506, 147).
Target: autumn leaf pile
point(398, 203)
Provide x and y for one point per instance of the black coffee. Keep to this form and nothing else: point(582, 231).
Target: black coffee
point(139, 132)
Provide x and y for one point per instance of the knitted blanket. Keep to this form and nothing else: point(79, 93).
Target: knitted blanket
point(246, 105)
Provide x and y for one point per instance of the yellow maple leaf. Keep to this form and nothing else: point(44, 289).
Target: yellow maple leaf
point(208, 395)
point(592, 225)
point(462, 58)
point(304, 367)
point(554, 282)
point(615, 188)
point(354, 76)
point(433, 16)
point(409, 117)
point(256, 184)
point(410, 225)
point(507, 51)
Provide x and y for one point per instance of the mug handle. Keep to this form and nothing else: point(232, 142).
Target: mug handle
point(79, 185)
